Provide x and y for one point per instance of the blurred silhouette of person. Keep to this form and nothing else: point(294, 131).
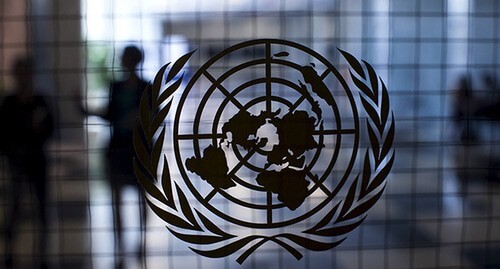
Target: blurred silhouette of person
point(463, 110)
point(471, 114)
point(121, 112)
point(464, 106)
point(26, 126)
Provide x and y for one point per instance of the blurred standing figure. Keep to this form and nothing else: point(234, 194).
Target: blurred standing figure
point(26, 125)
point(122, 113)
point(464, 108)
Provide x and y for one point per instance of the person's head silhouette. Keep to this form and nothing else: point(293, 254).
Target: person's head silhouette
point(23, 75)
point(131, 57)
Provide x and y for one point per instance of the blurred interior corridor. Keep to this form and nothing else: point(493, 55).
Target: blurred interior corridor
point(439, 59)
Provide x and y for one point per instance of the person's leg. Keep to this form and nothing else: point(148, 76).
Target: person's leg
point(117, 222)
point(12, 214)
point(142, 224)
point(37, 178)
point(114, 172)
point(40, 185)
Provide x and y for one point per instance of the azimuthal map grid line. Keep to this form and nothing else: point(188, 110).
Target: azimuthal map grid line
point(219, 135)
point(199, 136)
point(268, 78)
point(222, 89)
point(315, 179)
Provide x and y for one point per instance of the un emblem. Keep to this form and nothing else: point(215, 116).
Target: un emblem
point(266, 145)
